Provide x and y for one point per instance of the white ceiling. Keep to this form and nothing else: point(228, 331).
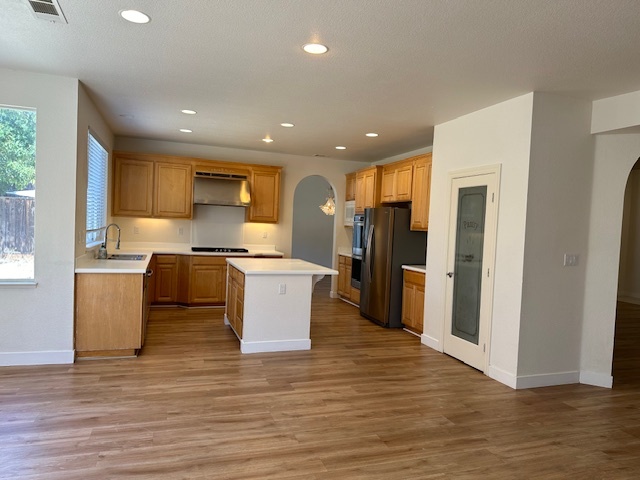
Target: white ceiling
point(395, 67)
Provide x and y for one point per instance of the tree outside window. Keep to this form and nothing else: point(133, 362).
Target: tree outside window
point(17, 193)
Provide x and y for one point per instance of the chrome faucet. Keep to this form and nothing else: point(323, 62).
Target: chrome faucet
point(106, 232)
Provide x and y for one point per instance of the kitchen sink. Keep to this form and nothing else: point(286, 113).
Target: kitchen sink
point(126, 256)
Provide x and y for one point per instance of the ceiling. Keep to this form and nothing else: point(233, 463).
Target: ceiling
point(395, 67)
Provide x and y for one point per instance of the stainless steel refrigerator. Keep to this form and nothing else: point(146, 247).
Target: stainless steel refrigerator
point(388, 244)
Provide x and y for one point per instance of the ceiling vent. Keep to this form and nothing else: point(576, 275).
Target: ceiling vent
point(47, 10)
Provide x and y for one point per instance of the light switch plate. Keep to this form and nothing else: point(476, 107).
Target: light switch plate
point(571, 259)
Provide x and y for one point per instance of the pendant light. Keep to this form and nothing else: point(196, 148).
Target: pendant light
point(329, 207)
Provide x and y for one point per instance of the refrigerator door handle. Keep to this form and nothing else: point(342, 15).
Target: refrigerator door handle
point(371, 251)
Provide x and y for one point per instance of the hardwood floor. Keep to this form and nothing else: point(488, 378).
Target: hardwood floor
point(364, 403)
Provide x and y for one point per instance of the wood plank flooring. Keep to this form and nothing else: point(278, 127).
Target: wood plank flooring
point(364, 403)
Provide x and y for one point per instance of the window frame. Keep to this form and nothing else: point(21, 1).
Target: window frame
point(95, 229)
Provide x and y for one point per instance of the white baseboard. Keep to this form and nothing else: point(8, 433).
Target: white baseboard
point(547, 379)
point(430, 342)
point(502, 376)
point(333, 294)
point(275, 346)
point(54, 357)
point(596, 379)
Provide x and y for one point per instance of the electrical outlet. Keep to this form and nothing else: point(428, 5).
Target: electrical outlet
point(136, 231)
point(180, 231)
point(282, 288)
point(265, 234)
point(570, 259)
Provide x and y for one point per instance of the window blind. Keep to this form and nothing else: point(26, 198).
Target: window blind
point(96, 190)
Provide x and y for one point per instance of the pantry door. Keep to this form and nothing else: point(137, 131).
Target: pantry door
point(470, 262)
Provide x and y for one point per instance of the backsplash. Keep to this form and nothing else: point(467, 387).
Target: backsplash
point(211, 226)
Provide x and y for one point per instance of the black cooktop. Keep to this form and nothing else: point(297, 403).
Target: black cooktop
point(219, 249)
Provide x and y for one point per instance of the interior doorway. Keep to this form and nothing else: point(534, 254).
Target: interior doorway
point(312, 230)
point(626, 349)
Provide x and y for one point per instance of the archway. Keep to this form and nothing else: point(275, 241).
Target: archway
point(312, 230)
point(626, 351)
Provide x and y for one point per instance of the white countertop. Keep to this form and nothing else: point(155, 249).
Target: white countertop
point(415, 268)
point(89, 264)
point(345, 252)
point(278, 266)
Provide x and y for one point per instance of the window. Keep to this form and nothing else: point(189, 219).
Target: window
point(96, 191)
point(17, 193)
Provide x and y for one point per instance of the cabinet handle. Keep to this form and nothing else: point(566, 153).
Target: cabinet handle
point(149, 272)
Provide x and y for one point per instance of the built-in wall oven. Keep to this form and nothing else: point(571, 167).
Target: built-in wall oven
point(356, 251)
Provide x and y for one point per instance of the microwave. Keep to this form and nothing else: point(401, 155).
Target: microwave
point(349, 212)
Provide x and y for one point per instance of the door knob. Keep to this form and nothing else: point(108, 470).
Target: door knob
point(449, 274)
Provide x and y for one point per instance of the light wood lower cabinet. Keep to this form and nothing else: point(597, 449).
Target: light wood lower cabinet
point(413, 300)
point(112, 310)
point(234, 309)
point(345, 290)
point(166, 279)
point(207, 280)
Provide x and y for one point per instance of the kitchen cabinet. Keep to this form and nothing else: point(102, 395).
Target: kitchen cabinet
point(143, 187)
point(132, 187)
point(397, 182)
point(112, 310)
point(421, 192)
point(345, 290)
point(207, 280)
point(413, 300)
point(265, 195)
point(166, 279)
point(350, 192)
point(368, 188)
point(173, 190)
point(234, 309)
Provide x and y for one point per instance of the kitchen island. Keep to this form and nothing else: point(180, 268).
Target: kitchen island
point(269, 302)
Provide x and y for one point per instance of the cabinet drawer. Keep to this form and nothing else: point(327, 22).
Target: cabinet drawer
point(166, 259)
point(414, 277)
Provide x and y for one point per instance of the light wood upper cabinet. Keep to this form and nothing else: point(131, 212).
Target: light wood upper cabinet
point(143, 187)
point(421, 192)
point(173, 190)
point(368, 182)
point(133, 187)
point(351, 187)
point(413, 300)
point(397, 182)
point(265, 195)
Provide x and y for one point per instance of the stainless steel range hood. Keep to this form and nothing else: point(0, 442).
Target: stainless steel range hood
point(221, 189)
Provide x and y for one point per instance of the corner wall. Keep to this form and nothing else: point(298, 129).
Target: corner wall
point(499, 134)
point(37, 323)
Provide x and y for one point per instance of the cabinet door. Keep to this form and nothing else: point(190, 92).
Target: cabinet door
point(351, 187)
point(370, 189)
point(408, 300)
point(403, 179)
point(387, 193)
point(166, 279)
point(207, 284)
point(265, 195)
point(232, 295)
point(355, 295)
point(173, 190)
point(341, 275)
point(360, 193)
point(347, 278)
point(132, 187)
point(418, 305)
point(421, 193)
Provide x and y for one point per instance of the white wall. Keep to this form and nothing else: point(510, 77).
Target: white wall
point(615, 155)
point(496, 135)
point(295, 168)
point(88, 119)
point(559, 189)
point(37, 323)
point(312, 229)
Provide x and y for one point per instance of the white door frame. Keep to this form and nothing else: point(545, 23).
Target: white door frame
point(489, 260)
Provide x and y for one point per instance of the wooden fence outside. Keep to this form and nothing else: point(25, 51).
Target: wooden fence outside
point(17, 225)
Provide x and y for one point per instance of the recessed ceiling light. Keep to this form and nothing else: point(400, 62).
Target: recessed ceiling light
point(186, 130)
point(287, 125)
point(134, 16)
point(371, 134)
point(189, 112)
point(267, 140)
point(315, 48)
point(340, 147)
